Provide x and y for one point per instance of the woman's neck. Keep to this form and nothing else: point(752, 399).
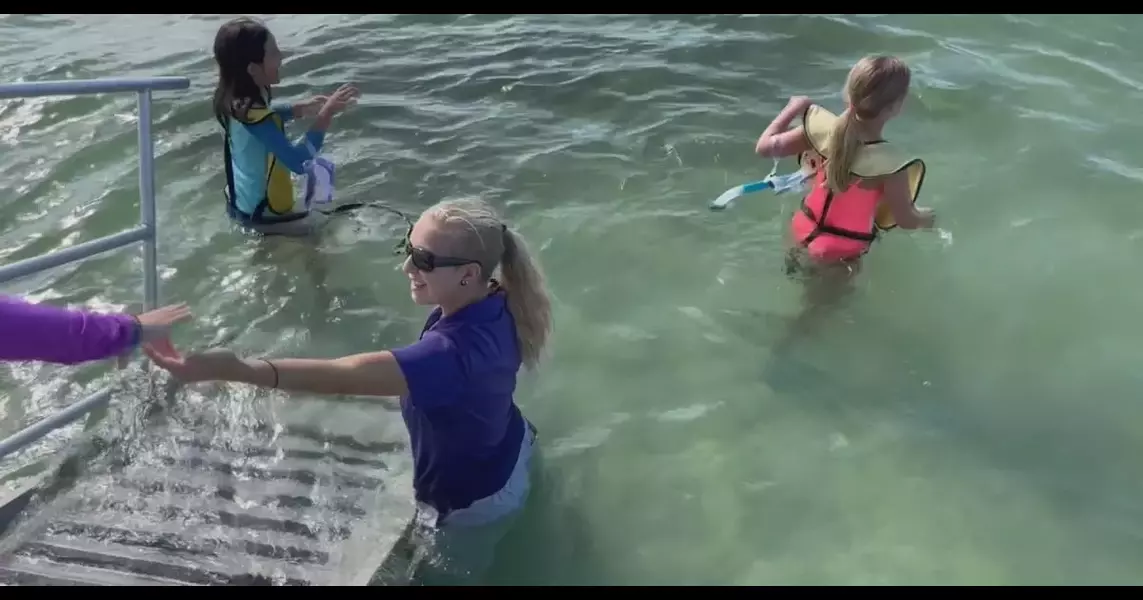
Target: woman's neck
point(464, 300)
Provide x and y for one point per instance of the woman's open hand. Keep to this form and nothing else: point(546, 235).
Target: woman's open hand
point(155, 325)
point(219, 364)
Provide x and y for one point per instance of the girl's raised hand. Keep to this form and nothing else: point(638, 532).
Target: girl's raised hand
point(343, 98)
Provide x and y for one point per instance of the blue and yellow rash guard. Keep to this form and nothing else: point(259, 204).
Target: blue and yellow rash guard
point(259, 159)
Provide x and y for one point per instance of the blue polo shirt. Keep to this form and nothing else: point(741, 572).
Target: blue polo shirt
point(464, 427)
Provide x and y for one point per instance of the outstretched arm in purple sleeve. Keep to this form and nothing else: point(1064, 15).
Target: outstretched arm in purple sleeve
point(58, 335)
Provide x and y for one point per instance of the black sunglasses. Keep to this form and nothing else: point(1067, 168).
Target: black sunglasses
point(422, 259)
point(426, 261)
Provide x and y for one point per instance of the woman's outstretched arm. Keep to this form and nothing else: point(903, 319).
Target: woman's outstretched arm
point(429, 370)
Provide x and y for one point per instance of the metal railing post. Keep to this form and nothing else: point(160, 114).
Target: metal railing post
point(147, 202)
point(31, 433)
point(146, 232)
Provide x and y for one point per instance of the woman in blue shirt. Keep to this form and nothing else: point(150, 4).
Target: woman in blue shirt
point(258, 156)
point(471, 444)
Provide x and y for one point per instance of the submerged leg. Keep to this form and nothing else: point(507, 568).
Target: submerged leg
point(826, 286)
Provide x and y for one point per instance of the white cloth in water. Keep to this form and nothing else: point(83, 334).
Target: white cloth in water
point(319, 172)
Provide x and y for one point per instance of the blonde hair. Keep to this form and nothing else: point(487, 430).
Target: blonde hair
point(874, 85)
point(478, 233)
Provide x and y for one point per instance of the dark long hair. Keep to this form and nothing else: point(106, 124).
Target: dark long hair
point(238, 44)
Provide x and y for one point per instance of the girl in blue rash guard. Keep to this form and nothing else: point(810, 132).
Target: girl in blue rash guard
point(258, 156)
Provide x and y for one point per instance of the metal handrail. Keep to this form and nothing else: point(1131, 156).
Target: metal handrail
point(145, 232)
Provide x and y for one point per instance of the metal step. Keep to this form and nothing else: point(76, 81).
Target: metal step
point(274, 509)
point(25, 570)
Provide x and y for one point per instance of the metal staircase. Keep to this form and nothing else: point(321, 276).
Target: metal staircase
point(198, 511)
point(184, 505)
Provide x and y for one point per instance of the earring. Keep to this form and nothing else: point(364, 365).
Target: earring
point(464, 282)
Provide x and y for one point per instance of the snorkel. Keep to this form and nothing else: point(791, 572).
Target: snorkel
point(789, 182)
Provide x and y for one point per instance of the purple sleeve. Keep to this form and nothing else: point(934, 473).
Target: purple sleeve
point(47, 333)
point(432, 370)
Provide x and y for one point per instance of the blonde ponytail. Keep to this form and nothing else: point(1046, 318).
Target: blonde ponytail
point(875, 85)
point(844, 144)
point(528, 300)
point(478, 233)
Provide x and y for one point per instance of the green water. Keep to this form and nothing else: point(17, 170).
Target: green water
point(968, 416)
